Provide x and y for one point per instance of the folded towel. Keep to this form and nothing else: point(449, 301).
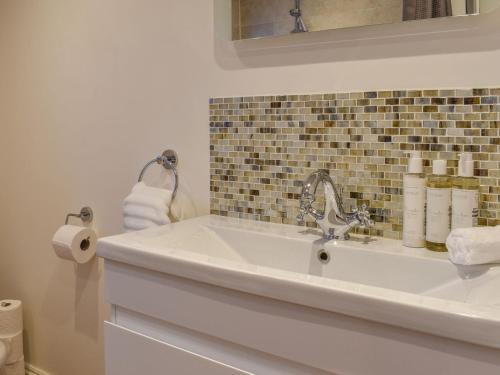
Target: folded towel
point(131, 224)
point(149, 195)
point(150, 190)
point(468, 246)
point(182, 207)
point(146, 207)
point(145, 200)
point(145, 212)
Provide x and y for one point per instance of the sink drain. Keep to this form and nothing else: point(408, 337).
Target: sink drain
point(323, 256)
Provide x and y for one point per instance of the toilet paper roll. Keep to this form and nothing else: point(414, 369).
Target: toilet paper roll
point(74, 243)
point(14, 368)
point(11, 317)
point(14, 347)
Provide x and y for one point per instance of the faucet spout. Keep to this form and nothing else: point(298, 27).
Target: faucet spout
point(333, 221)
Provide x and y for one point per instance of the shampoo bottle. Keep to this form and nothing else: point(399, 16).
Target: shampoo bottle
point(438, 207)
point(465, 195)
point(414, 202)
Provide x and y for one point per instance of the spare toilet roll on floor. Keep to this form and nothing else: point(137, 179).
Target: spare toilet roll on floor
point(74, 243)
point(14, 368)
point(11, 334)
point(11, 318)
point(14, 347)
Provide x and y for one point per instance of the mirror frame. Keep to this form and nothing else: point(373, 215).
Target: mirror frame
point(467, 26)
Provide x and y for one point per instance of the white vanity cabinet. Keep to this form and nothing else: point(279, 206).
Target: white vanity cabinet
point(131, 353)
point(260, 302)
point(163, 324)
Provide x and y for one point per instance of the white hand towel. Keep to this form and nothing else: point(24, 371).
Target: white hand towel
point(145, 212)
point(144, 200)
point(132, 224)
point(150, 190)
point(145, 207)
point(182, 207)
point(149, 196)
point(469, 246)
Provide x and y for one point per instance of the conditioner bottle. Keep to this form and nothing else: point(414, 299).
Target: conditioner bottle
point(465, 195)
point(414, 202)
point(438, 207)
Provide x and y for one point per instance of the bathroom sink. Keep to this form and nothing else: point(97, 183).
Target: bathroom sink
point(369, 278)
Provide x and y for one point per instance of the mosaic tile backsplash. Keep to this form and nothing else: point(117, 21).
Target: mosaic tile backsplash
point(263, 147)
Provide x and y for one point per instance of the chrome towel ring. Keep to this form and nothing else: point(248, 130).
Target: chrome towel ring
point(168, 160)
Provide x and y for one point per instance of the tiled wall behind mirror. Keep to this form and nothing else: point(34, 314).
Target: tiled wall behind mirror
point(262, 148)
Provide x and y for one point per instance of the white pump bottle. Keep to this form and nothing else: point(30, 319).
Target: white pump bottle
point(465, 195)
point(414, 202)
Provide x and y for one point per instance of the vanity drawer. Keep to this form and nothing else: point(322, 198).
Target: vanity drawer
point(130, 353)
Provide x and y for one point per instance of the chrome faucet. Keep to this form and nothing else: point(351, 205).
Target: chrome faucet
point(333, 221)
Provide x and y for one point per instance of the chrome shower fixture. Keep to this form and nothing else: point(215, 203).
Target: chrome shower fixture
point(300, 26)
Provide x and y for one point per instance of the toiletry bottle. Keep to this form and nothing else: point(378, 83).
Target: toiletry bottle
point(414, 202)
point(465, 195)
point(438, 207)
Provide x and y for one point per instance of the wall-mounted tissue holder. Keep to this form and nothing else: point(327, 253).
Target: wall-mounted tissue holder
point(76, 243)
point(86, 215)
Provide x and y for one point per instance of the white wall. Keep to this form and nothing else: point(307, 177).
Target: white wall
point(90, 90)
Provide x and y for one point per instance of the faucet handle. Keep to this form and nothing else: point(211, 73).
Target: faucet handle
point(306, 201)
point(305, 205)
point(300, 216)
point(363, 215)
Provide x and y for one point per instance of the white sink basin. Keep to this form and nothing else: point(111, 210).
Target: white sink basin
point(355, 262)
point(374, 279)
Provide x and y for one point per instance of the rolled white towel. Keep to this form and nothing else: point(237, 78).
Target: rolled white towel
point(141, 187)
point(469, 246)
point(145, 212)
point(132, 224)
point(141, 199)
point(149, 196)
point(146, 206)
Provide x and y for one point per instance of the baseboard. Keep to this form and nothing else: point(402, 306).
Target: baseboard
point(32, 370)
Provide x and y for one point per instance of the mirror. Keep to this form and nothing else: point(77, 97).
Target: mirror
point(264, 18)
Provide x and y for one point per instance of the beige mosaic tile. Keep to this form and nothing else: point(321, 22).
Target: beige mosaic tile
point(263, 147)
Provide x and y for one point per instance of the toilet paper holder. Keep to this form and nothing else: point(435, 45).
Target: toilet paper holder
point(86, 215)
